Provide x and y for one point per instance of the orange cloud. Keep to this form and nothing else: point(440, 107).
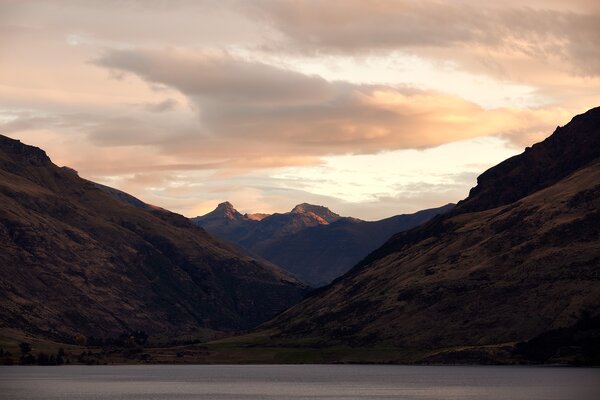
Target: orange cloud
point(256, 118)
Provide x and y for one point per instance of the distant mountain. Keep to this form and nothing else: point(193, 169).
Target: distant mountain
point(81, 258)
point(310, 241)
point(518, 261)
point(318, 212)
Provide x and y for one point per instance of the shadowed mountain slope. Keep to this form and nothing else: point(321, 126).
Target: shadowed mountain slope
point(566, 150)
point(519, 258)
point(312, 242)
point(77, 258)
point(322, 253)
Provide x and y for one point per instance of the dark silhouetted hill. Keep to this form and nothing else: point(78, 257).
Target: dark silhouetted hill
point(80, 258)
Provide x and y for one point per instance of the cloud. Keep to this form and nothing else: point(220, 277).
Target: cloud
point(217, 76)
point(534, 28)
point(162, 106)
point(247, 110)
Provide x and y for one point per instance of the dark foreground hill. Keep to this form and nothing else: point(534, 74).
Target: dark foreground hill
point(79, 258)
point(518, 261)
point(311, 242)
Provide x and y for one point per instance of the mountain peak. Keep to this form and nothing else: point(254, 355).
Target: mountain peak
point(225, 206)
point(306, 207)
point(227, 210)
point(22, 152)
point(320, 211)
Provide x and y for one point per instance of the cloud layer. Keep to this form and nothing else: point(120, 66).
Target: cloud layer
point(531, 29)
point(265, 110)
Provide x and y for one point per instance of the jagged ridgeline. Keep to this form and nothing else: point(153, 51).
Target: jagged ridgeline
point(311, 242)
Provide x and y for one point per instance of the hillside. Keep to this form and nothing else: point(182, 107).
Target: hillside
point(312, 242)
point(79, 258)
point(517, 261)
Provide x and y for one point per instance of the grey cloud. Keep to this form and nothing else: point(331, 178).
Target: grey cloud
point(363, 25)
point(19, 121)
point(165, 105)
point(215, 76)
point(354, 26)
point(124, 131)
point(101, 129)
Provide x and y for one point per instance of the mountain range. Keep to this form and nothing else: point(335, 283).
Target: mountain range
point(311, 242)
point(78, 258)
point(512, 269)
point(511, 274)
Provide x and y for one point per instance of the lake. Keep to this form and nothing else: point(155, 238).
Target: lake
point(298, 382)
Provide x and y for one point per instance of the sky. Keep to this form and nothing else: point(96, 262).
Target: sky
point(370, 107)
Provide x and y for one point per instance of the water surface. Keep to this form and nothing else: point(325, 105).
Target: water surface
point(286, 382)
